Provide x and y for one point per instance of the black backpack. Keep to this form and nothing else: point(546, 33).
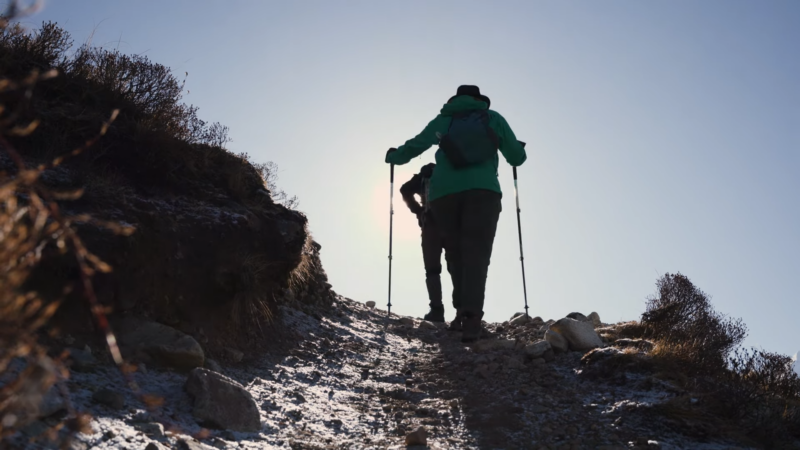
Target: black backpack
point(469, 140)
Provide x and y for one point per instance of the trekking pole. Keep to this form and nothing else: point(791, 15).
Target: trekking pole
point(391, 216)
point(519, 230)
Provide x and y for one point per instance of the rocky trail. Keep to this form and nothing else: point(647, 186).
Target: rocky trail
point(356, 379)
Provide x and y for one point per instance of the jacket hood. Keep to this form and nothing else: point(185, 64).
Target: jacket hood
point(462, 103)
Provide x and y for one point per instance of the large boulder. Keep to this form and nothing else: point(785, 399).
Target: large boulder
point(165, 345)
point(557, 341)
point(580, 335)
point(221, 402)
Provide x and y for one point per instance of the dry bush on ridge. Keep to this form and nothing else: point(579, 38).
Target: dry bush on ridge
point(757, 389)
point(685, 325)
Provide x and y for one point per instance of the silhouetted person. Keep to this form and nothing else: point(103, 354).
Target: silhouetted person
point(432, 242)
point(465, 195)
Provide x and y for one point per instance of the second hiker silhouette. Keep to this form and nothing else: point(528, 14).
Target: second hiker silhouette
point(464, 194)
point(432, 241)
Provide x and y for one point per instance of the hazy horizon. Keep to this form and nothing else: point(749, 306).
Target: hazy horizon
point(661, 136)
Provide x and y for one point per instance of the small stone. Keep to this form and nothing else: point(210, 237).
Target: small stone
point(166, 345)
point(408, 321)
point(153, 429)
point(417, 437)
point(112, 399)
point(153, 446)
point(454, 403)
point(222, 402)
point(370, 304)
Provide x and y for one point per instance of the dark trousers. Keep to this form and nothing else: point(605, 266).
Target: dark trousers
point(468, 222)
point(432, 246)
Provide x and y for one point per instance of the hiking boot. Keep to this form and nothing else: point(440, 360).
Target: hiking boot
point(436, 314)
point(455, 325)
point(472, 327)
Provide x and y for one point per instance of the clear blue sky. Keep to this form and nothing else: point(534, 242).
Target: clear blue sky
point(662, 135)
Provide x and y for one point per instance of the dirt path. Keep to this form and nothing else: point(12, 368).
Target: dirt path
point(359, 380)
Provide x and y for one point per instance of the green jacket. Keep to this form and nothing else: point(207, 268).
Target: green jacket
point(446, 179)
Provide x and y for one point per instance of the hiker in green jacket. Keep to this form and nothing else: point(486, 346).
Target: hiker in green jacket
point(465, 195)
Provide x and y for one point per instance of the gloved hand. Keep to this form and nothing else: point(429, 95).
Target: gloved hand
point(389, 152)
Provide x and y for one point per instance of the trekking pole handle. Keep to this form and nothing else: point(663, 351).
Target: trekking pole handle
point(515, 173)
point(391, 173)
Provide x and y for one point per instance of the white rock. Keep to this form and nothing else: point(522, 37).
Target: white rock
point(557, 341)
point(580, 335)
point(370, 304)
point(595, 318)
point(537, 349)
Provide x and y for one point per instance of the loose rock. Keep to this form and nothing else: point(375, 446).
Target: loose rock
point(406, 321)
point(417, 437)
point(164, 344)
point(370, 304)
point(558, 343)
point(426, 325)
point(537, 349)
point(154, 430)
point(222, 402)
point(595, 318)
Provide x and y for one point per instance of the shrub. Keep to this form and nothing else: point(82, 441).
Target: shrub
point(681, 317)
point(757, 389)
